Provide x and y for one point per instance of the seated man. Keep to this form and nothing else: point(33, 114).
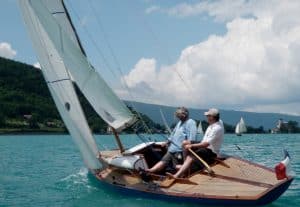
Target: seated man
point(185, 129)
point(209, 147)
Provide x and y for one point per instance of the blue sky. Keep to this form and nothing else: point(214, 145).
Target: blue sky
point(233, 54)
point(129, 30)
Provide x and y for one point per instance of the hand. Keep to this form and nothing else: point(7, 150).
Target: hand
point(187, 146)
point(164, 144)
point(185, 142)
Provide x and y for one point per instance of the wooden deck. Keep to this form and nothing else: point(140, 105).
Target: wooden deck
point(242, 180)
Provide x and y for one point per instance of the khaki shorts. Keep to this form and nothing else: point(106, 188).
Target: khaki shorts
point(173, 158)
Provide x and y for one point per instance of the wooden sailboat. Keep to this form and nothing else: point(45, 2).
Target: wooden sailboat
point(240, 127)
point(235, 181)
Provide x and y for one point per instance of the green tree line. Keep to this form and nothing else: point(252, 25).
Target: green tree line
point(23, 91)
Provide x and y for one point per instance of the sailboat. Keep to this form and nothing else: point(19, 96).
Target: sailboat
point(228, 181)
point(200, 129)
point(240, 127)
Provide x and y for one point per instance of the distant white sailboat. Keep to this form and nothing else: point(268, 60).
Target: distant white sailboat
point(240, 127)
point(200, 129)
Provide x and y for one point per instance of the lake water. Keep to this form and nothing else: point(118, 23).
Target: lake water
point(46, 170)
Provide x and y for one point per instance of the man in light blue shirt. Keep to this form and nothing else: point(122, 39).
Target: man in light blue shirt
point(185, 129)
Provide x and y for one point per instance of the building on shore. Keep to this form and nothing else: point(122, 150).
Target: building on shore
point(279, 128)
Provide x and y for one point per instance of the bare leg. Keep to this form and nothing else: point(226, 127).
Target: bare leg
point(157, 167)
point(186, 165)
point(185, 152)
point(177, 167)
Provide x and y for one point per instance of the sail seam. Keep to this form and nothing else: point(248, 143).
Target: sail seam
point(64, 79)
point(58, 12)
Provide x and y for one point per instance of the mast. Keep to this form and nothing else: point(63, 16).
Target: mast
point(72, 27)
point(116, 135)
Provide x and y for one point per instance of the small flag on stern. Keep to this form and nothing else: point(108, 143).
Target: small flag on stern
point(282, 169)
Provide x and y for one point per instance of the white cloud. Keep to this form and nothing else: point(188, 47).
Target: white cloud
point(256, 63)
point(152, 9)
point(287, 108)
point(7, 51)
point(226, 10)
point(135, 76)
point(37, 65)
point(222, 10)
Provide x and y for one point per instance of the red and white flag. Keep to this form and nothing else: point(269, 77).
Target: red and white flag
point(283, 169)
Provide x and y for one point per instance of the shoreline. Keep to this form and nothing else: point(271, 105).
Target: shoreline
point(4, 132)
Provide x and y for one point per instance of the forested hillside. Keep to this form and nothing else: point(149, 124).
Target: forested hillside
point(26, 104)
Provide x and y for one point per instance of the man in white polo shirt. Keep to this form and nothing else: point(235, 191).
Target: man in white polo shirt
point(209, 147)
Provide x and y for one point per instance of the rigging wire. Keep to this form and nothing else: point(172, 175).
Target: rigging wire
point(123, 82)
point(160, 46)
point(106, 62)
point(98, 49)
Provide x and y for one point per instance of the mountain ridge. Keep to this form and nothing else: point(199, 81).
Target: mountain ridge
point(256, 119)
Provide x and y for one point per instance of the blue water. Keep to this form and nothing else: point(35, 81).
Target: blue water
point(46, 170)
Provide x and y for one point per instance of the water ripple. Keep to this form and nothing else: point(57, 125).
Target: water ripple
point(47, 170)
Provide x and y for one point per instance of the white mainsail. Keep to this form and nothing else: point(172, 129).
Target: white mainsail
point(241, 127)
point(200, 129)
point(60, 86)
point(98, 93)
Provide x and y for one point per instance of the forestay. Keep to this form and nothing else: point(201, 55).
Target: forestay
point(60, 86)
point(165, 121)
point(99, 94)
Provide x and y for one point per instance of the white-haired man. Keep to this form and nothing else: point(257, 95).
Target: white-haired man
point(185, 130)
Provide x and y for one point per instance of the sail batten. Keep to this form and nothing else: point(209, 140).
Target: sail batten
point(105, 102)
point(60, 86)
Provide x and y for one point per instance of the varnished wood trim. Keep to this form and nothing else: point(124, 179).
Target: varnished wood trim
point(254, 164)
point(239, 180)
